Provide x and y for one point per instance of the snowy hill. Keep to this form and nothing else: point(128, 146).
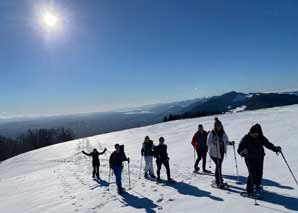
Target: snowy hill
point(58, 178)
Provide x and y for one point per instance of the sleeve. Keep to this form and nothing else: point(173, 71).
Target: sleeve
point(242, 146)
point(193, 141)
point(209, 139)
point(89, 154)
point(101, 153)
point(111, 160)
point(226, 139)
point(142, 150)
point(268, 145)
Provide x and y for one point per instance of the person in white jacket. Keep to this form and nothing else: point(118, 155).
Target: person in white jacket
point(217, 142)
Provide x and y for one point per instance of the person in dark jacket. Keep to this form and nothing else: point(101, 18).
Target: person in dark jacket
point(199, 142)
point(116, 160)
point(95, 161)
point(251, 148)
point(147, 152)
point(161, 155)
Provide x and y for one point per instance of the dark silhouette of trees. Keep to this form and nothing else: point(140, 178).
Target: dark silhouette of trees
point(33, 139)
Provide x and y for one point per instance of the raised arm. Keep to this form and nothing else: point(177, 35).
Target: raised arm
point(85, 153)
point(101, 153)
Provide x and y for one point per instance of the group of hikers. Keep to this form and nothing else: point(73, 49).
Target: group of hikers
point(214, 142)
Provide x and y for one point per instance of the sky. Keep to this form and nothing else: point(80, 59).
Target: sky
point(110, 54)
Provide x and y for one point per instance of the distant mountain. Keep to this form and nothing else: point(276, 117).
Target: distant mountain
point(291, 93)
point(241, 101)
point(89, 124)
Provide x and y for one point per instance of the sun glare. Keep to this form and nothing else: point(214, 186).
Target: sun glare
point(50, 20)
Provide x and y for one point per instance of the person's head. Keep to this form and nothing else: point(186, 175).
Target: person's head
point(147, 139)
point(117, 148)
point(161, 140)
point(200, 128)
point(256, 131)
point(94, 150)
point(218, 127)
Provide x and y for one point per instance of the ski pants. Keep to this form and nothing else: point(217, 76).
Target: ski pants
point(118, 172)
point(165, 162)
point(201, 154)
point(149, 164)
point(95, 170)
point(218, 171)
point(255, 171)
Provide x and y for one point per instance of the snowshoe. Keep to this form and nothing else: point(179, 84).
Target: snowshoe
point(170, 181)
point(207, 171)
point(219, 185)
point(251, 195)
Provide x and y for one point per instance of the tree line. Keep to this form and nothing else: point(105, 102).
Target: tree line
point(33, 139)
point(186, 115)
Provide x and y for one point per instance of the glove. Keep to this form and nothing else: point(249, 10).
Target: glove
point(105, 149)
point(128, 160)
point(232, 143)
point(244, 152)
point(277, 149)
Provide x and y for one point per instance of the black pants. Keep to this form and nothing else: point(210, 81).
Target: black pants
point(165, 162)
point(255, 171)
point(95, 170)
point(218, 171)
point(202, 154)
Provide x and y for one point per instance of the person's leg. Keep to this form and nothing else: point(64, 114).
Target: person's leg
point(117, 172)
point(259, 173)
point(151, 171)
point(158, 164)
point(146, 168)
point(167, 166)
point(217, 179)
point(249, 184)
point(94, 170)
point(197, 161)
point(97, 171)
point(220, 161)
point(204, 156)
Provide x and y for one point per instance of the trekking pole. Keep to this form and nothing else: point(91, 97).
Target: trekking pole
point(236, 163)
point(129, 176)
point(141, 167)
point(209, 162)
point(194, 156)
point(109, 179)
point(252, 182)
point(289, 167)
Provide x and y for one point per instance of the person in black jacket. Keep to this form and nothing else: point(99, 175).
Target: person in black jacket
point(116, 160)
point(161, 155)
point(95, 161)
point(147, 152)
point(251, 148)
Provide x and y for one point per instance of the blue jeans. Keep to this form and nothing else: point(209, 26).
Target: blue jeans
point(118, 173)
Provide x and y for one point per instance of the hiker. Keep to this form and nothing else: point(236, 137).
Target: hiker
point(147, 152)
point(199, 142)
point(116, 160)
point(217, 142)
point(95, 161)
point(161, 155)
point(251, 148)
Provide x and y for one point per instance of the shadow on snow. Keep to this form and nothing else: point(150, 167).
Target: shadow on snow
point(187, 189)
point(139, 202)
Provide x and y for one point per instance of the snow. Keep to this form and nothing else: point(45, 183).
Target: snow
point(238, 109)
point(58, 178)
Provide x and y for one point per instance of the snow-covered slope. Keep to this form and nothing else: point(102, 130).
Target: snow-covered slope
point(58, 178)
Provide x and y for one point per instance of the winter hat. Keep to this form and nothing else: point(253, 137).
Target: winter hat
point(217, 122)
point(256, 129)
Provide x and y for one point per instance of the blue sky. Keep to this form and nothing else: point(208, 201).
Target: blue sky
point(110, 54)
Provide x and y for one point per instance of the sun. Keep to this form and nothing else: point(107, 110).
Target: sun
point(50, 20)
